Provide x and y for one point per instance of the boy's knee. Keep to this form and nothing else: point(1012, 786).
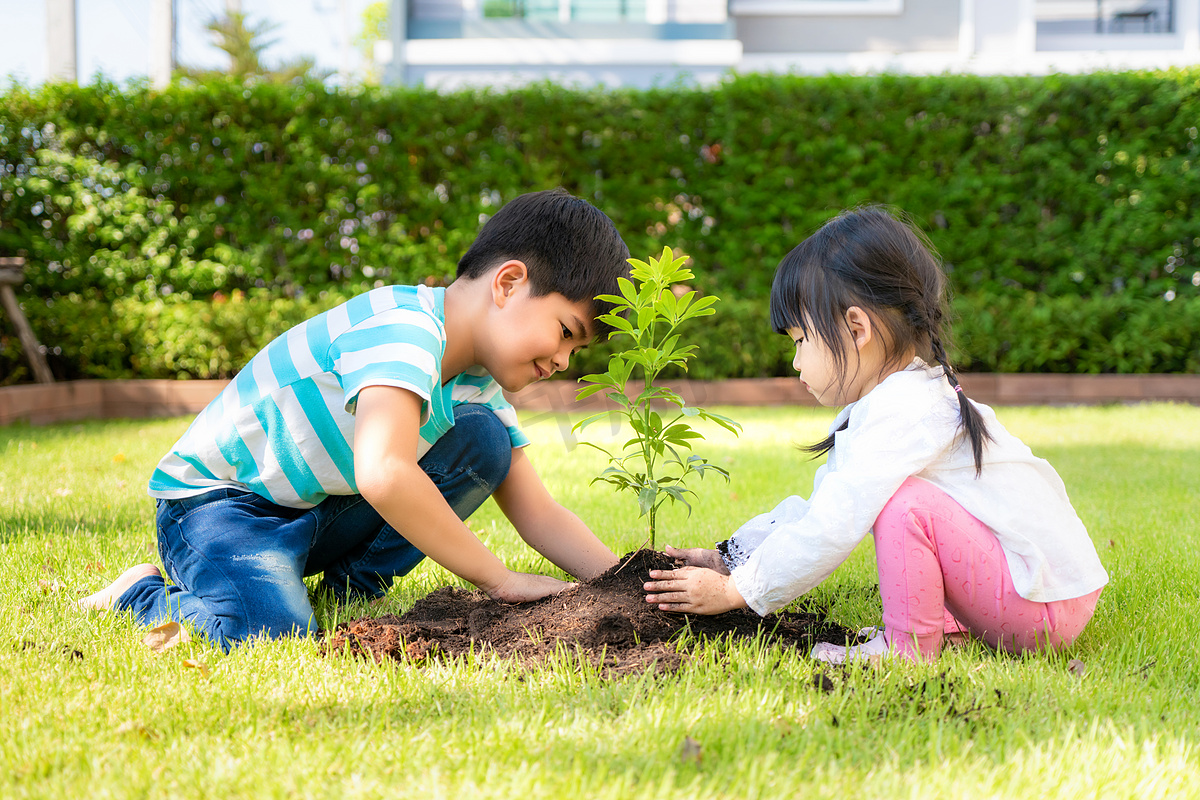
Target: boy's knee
point(490, 445)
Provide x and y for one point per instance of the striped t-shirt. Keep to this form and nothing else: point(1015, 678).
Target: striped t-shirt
point(284, 427)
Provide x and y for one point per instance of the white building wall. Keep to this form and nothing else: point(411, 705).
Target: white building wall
point(803, 36)
point(891, 26)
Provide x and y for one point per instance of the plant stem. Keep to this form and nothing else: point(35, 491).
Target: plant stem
point(653, 512)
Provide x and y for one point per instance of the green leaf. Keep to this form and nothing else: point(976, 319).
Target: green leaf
point(678, 496)
point(668, 348)
point(588, 420)
point(621, 324)
point(701, 308)
point(664, 306)
point(724, 422)
point(646, 499)
point(663, 393)
point(629, 292)
point(587, 391)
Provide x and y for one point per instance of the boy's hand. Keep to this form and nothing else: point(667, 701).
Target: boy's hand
point(522, 587)
point(699, 557)
point(692, 590)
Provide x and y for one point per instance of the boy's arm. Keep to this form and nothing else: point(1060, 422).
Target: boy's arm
point(547, 526)
point(390, 479)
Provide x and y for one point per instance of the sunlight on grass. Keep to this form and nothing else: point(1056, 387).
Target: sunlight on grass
point(90, 711)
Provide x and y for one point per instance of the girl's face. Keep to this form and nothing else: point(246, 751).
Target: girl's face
point(818, 370)
point(866, 364)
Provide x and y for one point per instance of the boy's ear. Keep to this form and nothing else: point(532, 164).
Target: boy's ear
point(506, 279)
point(862, 331)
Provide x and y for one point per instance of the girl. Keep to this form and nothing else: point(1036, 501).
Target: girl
point(969, 525)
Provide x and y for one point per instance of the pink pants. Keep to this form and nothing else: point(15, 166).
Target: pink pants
point(939, 566)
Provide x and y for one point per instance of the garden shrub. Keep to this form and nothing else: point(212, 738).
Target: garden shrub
point(1050, 199)
point(181, 337)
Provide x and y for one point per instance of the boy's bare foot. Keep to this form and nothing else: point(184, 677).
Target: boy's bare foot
point(106, 597)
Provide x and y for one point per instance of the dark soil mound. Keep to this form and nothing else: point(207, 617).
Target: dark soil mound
point(606, 620)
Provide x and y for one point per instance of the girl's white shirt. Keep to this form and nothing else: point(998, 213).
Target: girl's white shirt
point(908, 426)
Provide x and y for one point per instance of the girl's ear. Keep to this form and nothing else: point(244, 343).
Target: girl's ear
point(506, 279)
point(862, 331)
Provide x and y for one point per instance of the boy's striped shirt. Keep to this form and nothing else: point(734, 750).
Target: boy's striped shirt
point(283, 428)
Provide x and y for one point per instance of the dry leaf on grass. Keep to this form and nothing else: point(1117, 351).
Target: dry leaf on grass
point(690, 751)
point(1076, 667)
point(199, 666)
point(166, 636)
point(138, 729)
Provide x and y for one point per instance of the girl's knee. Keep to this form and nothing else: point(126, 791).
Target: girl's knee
point(913, 493)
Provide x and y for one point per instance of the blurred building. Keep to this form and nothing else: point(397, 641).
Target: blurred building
point(450, 43)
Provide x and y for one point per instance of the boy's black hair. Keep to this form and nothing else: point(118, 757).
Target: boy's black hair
point(868, 258)
point(568, 245)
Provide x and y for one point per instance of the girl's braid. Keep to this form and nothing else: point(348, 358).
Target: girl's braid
point(972, 422)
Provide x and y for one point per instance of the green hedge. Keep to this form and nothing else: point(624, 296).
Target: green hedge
point(175, 337)
point(1079, 192)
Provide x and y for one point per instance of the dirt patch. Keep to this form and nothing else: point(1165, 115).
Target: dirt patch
point(605, 620)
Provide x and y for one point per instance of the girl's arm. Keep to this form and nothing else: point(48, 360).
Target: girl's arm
point(737, 549)
point(891, 437)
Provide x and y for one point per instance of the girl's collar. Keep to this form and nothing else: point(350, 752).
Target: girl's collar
point(918, 364)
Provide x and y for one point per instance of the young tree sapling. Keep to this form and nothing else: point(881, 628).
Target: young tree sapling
point(652, 464)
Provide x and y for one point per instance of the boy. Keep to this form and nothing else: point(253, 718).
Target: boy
point(356, 443)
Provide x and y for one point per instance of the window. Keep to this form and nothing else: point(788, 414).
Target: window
point(570, 10)
point(1104, 17)
point(815, 7)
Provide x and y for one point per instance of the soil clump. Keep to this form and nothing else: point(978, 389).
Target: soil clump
point(606, 621)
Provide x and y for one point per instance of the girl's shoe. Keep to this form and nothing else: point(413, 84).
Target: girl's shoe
point(873, 649)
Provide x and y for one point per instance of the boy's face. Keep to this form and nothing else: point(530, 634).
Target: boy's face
point(532, 338)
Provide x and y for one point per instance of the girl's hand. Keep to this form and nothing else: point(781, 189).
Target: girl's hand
point(692, 590)
point(699, 557)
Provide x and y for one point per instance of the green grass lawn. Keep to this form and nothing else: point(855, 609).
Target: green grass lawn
point(86, 710)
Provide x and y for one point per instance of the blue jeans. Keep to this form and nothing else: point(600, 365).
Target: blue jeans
point(238, 560)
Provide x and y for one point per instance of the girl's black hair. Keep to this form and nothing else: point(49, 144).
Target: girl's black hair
point(869, 258)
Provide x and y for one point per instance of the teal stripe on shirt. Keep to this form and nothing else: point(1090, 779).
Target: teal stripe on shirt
point(390, 334)
point(359, 308)
point(247, 388)
point(234, 450)
point(162, 482)
point(287, 453)
point(280, 357)
point(422, 383)
point(198, 465)
point(327, 430)
point(317, 337)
